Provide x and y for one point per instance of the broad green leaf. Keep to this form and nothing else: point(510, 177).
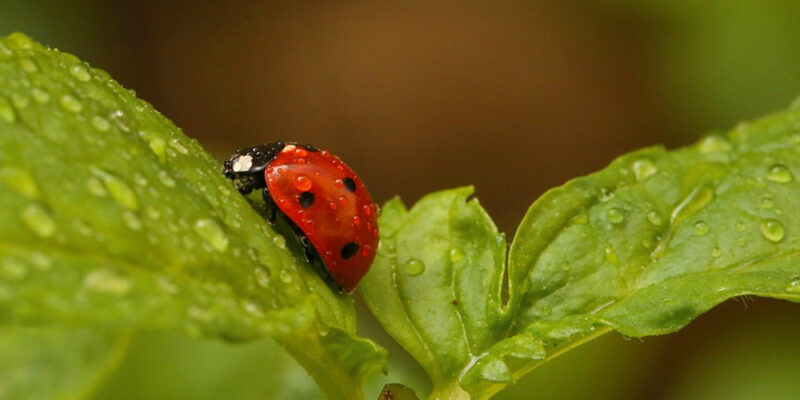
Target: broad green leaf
point(112, 218)
point(165, 366)
point(643, 246)
point(51, 363)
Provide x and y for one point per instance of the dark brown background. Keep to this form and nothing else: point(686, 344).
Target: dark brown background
point(512, 97)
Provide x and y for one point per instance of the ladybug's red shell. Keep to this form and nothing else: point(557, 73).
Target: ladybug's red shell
point(331, 205)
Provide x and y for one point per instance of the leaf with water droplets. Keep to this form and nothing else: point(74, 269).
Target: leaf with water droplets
point(113, 218)
point(643, 253)
point(437, 282)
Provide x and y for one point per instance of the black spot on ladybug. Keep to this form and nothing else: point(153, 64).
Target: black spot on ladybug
point(349, 184)
point(306, 199)
point(349, 250)
point(311, 148)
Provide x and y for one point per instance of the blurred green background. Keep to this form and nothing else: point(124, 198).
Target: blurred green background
point(512, 97)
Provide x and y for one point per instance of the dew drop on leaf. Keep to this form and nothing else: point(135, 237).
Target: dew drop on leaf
point(767, 202)
point(740, 226)
point(119, 190)
point(211, 231)
point(167, 180)
point(80, 73)
point(286, 276)
point(713, 143)
point(40, 96)
point(262, 277)
point(456, 256)
point(95, 187)
point(71, 104)
point(19, 180)
point(779, 173)
point(107, 281)
point(100, 123)
point(614, 215)
point(38, 220)
point(279, 241)
point(700, 228)
point(654, 218)
point(606, 194)
point(414, 267)
point(794, 286)
point(716, 252)
point(131, 220)
point(772, 230)
point(643, 169)
point(13, 270)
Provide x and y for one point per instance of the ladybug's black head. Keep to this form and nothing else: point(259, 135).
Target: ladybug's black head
point(246, 166)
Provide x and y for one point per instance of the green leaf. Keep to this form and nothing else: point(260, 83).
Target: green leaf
point(48, 363)
point(113, 218)
point(643, 246)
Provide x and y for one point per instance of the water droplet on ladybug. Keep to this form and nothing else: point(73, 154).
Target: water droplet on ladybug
point(367, 210)
point(343, 200)
point(357, 220)
point(302, 183)
point(300, 152)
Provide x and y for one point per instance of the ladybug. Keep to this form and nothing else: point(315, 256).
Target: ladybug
point(321, 198)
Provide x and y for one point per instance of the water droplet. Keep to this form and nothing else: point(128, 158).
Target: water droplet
point(80, 73)
point(343, 200)
point(6, 111)
point(175, 144)
point(164, 177)
point(166, 285)
point(107, 281)
point(131, 220)
point(611, 256)
point(302, 183)
point(286, 276)
point(414, 267)
point(456, 256)
point(356, 220)
point(741, 242)
point(41, 261)
point(772, 230)
point(71, 104)
point(716, 252)
point(253, 309)
point(644, 169)
point(157, 145)
point(199, 314)
point(606, 194)
point(262, 277)
point(279, 241)
point(13, 270)
point(38, 220)
point(119, 190)
point(19, 180)
point(40, 96)
point(794, 286)
point(614, 215)
point(713, 143)
point(95, 187)
point(740, 226)
point(210, 230)
point(779, 173)
point(654, 218)
point(700, 228)
point(100, 123)
point(28, 65)
point(767, 202)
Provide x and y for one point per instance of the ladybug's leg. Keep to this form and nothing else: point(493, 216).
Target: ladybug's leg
point(310, 251)
point(272, 208)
